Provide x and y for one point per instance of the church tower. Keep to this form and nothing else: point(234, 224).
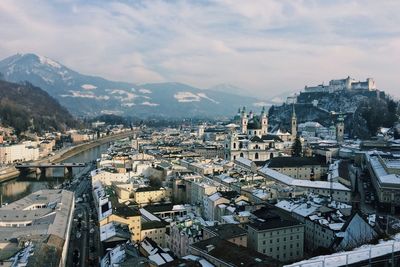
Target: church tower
point(245, 121)
point(294, 125)
point(264, 122)
point(340, 130)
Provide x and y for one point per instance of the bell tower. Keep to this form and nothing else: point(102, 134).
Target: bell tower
point(264, 121)
point(245, 120)
point(294, 125)
point(340, 129)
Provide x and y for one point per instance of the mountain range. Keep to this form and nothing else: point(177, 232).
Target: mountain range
point(85, 95)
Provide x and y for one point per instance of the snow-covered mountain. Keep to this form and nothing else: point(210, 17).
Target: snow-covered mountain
point(91, 95)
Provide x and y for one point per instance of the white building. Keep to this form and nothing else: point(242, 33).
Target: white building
point(342, 84)
point(26, 151)
point(252, 141)
point(45, 213)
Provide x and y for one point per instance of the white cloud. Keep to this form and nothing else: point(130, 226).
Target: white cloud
point(263, 46)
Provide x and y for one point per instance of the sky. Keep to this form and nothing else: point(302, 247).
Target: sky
point(264, 47)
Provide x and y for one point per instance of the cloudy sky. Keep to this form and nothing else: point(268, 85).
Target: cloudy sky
point(265, 47)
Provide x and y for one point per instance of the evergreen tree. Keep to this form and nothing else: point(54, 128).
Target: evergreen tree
point(297, 148)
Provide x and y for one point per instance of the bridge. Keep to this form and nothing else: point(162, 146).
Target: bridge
point(44, 168)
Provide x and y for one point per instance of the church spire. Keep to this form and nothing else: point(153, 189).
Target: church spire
point(293, 111)
point(294, 125)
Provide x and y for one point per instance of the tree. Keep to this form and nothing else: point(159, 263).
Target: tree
point(297, 148)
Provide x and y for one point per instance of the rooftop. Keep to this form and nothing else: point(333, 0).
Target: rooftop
point(280, 162)
point(226, 231)
point(237, 256)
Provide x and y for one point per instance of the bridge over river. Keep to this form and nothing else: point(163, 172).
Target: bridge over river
point(45, 169)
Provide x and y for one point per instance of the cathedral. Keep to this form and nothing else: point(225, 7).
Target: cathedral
point(253, 141)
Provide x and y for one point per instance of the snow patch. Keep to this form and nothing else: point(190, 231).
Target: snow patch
point(86, 95)
point(88, 86)
point(145, 91)
point(203, 95)
point(186, 97)
point(147, 103)
point(47, 61)
point(122, 95)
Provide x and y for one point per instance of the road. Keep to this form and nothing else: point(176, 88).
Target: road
point(83, 239)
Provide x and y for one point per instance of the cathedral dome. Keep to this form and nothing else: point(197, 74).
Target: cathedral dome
point(254, 124)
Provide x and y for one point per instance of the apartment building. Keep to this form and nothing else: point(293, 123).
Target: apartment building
point(275, 236)
point(306, 168)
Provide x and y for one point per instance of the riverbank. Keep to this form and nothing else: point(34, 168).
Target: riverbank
point(12, 172)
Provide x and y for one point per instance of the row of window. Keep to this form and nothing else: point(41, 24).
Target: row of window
point(278, 239)
point(297, 229)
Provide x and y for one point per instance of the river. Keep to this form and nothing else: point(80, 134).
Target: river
point(24, 185)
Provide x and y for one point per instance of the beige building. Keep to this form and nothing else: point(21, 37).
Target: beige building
point(124, 191)
point(154, 230)
point(128, 216)
point(148, 195)
point(281, 239)
point(210, 152)
point(26, 151)
point(306, 168)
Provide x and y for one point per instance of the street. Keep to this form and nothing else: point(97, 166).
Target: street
point(83, 246)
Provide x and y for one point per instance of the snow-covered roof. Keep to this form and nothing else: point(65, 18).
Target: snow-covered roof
point(148, 215)
point(215, 196)
point(229, 219)
point(243, 161)
point(161, 258)
point(351, 257)
point(283, 178)
point(380, 171)
point(336, 226)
